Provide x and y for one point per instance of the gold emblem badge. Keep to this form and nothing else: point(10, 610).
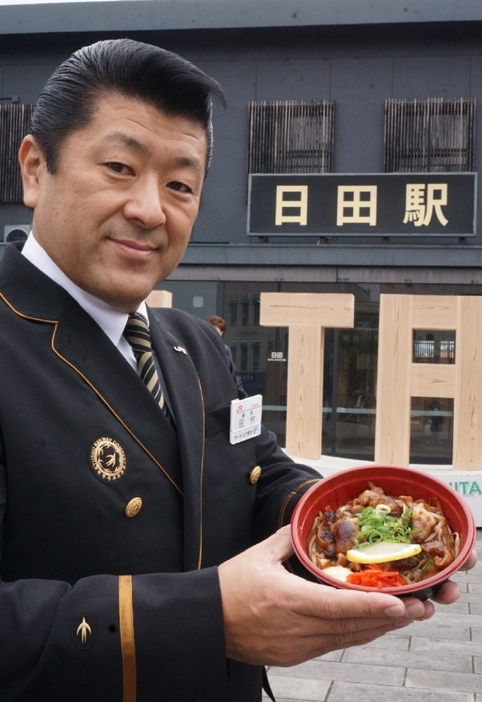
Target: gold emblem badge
point(108, 459)
point(83, 630)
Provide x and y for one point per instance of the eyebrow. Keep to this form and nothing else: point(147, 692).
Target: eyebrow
point(136, 145)
point(128, 141)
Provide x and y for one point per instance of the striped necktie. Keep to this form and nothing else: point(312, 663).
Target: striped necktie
point(139, 337)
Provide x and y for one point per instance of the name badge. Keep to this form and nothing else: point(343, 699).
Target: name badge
point(245, 421)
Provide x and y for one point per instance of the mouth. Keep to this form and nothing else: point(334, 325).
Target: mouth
point(134, 248)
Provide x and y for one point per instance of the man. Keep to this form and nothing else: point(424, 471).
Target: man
point(128, 520)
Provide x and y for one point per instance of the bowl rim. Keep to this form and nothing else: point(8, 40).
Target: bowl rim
point(427, 586)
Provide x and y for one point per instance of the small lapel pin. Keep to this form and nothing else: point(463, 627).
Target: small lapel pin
point(180, 349)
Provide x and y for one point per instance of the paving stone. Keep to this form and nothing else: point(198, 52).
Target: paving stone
point(297, 688)
point(449, 619)
point(393, 643)
point(410, 659)
point(443, 680)
point(472, 577)
point(334, 656)
point(434, 628)
point(343, 692)
point(321, 670)
point(467, 597)
point(459, 607)
point(444, 648)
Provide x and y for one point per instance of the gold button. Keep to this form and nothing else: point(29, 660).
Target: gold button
point(255, 474)
point(133, 507)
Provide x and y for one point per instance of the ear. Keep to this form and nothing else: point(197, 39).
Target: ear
point(33, 167)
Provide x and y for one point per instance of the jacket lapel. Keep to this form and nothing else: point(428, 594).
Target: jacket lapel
point(185, 393)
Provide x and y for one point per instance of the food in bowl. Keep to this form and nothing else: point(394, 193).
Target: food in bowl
point(382, 541)
point(345, 485)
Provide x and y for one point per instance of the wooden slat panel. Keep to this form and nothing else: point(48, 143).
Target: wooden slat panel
point(431, 135)
point(14, 125)
point(302, 309)
point(432, 380)
point(305, 391)
point(291, 136)
point(467, 449)
point(392, 436)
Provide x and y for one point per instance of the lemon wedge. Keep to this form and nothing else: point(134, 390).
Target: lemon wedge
point(382, 552)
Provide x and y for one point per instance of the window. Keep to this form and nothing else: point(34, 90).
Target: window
point(14, 125)
point(256, 355)
point(434, 347)
point(244, 356)
point(233, 312)
point(291, 136)
point(244, 313)
point(433, 135)
point(255, 303)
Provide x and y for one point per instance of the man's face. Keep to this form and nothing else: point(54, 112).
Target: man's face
point(117, 215)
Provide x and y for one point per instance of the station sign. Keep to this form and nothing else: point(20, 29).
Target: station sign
point(380, 204)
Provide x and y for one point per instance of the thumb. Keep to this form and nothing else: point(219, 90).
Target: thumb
point(278, 547)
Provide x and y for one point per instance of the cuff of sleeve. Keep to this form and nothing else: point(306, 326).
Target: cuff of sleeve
point(179, 635)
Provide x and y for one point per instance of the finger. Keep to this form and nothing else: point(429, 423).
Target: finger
point(278, 547)
point(346, 629)
point(328, 603)
point(471, 560)
point(448, 593)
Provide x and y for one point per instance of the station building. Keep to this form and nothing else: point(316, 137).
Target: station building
point(346, 161)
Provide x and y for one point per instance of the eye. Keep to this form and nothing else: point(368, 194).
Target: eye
point(120, 168)
point(179, 187)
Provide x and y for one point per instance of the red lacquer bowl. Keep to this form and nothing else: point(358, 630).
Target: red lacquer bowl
point(348, 484)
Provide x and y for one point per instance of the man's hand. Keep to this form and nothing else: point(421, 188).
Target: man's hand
point(272, 617)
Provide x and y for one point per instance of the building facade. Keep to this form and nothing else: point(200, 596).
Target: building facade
point(358, 95)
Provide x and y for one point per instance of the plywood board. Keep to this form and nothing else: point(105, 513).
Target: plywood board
point(327, 310)
point(392, 435)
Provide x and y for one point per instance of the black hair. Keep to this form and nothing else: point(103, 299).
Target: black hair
point(125, 67)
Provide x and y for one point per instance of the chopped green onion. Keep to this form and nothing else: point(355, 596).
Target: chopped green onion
point(377, 525)
point(428, 565)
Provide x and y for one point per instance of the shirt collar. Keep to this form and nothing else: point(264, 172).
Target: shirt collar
point(109, 319)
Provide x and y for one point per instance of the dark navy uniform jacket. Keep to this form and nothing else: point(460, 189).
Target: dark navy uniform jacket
point(112, 521)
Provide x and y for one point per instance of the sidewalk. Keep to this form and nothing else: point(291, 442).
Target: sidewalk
point(439, 660)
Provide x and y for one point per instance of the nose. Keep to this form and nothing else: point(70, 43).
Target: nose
point(144, 205)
